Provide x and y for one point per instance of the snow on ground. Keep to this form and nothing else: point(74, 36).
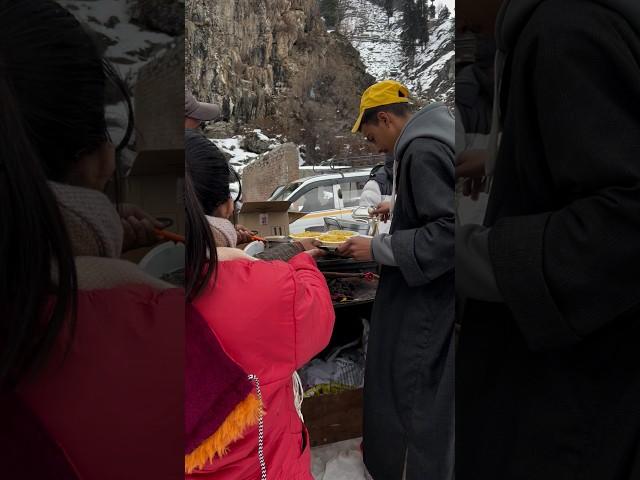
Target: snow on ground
point(240, 158)
point(261, 135)
point(338, 461)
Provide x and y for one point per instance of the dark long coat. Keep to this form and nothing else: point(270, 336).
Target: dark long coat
point(409, 396)
point(548, 382)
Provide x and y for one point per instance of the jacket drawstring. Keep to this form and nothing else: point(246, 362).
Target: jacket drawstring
point(298, 394)
point(263, 463)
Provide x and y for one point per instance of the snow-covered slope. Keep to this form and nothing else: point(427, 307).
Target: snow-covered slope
point(238, 156)
point(129, 46)
point(377, 37)
point(235, 149)
point(431, 73)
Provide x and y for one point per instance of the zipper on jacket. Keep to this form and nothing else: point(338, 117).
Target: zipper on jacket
point(263, 463)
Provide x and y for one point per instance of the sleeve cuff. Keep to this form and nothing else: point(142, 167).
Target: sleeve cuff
point(403, 243)
point(516, 250)
point(381, 250)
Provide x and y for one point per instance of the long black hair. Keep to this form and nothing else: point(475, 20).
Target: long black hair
point(206, 188)
point(53, 85)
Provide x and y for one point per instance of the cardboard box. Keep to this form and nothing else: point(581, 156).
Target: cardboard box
point(268, 218)
point(156, 184)
point(333, 418)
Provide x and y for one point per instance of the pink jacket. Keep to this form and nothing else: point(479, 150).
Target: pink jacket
point(270, 318)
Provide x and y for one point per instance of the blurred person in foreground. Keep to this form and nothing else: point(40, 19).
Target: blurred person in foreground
point(548, 377)
point(409, 396)
point(474, 100)
point(91, 349)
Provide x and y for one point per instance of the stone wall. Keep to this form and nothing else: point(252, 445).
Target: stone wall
point(277, 167)
point(159, 102)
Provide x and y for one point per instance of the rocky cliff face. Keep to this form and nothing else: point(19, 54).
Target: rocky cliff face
point(272, 64)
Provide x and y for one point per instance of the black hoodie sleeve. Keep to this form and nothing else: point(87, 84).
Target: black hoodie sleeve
point(426, 252)
point(569, 272)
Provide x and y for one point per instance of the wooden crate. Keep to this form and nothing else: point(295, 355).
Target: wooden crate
point(333, 418)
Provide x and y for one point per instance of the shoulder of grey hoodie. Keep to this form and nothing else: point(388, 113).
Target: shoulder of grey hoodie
point(435, 121)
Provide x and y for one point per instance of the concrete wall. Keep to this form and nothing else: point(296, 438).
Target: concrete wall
point(155, 181)
point(159, 102)
point(277, 167)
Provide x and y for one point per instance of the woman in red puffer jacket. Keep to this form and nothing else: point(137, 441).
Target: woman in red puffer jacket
point(269, 317)
point(91, 348)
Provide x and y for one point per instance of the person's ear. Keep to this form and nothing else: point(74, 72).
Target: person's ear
point(384, 118)
point(94, 169)
point(225, 210)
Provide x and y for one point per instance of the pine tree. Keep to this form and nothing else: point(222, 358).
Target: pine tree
point(432, 10)
point(444, 13)
point(408, 35)
point(330, 12)
point(389, 7)
point(422, 28)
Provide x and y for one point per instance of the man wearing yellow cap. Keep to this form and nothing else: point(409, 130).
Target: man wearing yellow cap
point(409, 383)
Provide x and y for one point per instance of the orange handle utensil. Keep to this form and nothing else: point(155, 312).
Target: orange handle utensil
point(259, 239)
point(174, 237)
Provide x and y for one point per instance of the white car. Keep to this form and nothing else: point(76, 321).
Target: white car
point(334, 195)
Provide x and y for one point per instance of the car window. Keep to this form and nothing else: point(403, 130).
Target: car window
point(276, 192)
point(284, 192)
point(317, 199)
point(351, 192)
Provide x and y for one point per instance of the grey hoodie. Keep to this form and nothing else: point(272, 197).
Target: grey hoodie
point(434, 121)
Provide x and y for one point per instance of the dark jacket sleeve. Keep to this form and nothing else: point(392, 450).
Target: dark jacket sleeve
point(284, 252)
point(569, 272)
point(426, 252)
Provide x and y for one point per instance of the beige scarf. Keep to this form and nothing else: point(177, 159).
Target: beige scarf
point(224, 232)
point(96, 235)
point(92, 221)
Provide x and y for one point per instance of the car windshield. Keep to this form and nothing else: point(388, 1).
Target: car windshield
point(286, 191)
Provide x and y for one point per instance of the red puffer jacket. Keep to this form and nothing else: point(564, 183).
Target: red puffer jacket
point(270, 318)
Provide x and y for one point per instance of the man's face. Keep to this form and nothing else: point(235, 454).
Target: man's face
point(384, 134)
point(191, 123)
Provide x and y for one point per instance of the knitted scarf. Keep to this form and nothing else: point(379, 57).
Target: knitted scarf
point(92, 221)
point(224, 233)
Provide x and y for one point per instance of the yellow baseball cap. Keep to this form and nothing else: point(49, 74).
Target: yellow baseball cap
point(382, 93)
